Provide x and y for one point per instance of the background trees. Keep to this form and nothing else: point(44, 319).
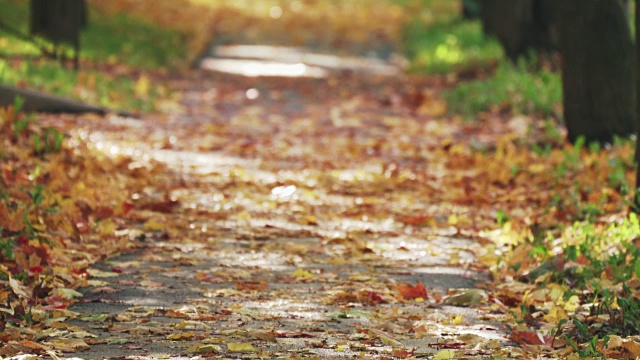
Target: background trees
point(59, 21)
point(594, 40)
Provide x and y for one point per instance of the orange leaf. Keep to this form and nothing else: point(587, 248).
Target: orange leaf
point(531, 338)
point(409, 291)
point(251, 286)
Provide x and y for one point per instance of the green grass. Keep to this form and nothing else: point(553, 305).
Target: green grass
point(117, 38)
point(448, 44)
point(131, 41)
point(514, 88)
point(90, 86)
point(107, 39)
point(439, 41)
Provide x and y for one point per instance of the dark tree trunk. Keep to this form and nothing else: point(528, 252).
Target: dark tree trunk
point(521, 25)
point(636, 200)
point(598, 69)
point(59, 21)
point(471, 9)
point(511, 22)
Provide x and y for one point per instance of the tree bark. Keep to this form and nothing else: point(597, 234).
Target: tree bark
point(636, 200)
point(511, 22)
point(598, 69)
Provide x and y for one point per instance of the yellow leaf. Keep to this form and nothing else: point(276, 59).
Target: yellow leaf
point(302, 274)
point(309, 220)
point(386, 338)
point(445, 355)
point(181, 336)
point(536, 168)
point(107, 227)
point(389, 341)
point(69, 293)
point(573, 303)
point(153, 225)
point(615, 305)
point(101, 274)
point(68, 345)
point(457, 320)
point(201, 348)
point(240, 347)
point(141, 88)
point(555, 314)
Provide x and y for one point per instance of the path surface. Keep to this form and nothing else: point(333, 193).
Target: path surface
point(286, 219)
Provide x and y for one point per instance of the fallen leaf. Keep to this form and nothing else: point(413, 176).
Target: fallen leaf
point(240, 347)
point(151, 284)
point(68, 293)
point(181, 336)
point(104, 290)
point(68, 345)
point(445, 355)
point(410, 292)
point(530, 338)
point(467, 298)
point(141, 88)
point(201, 348)
point(18, 288)
point(101, 274)
point(302, 274)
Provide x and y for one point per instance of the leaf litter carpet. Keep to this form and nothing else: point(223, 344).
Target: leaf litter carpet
point(291, 218)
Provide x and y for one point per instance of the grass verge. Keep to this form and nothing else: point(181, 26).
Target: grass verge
point(108, 40)
point(514, 89)
point(448, 45)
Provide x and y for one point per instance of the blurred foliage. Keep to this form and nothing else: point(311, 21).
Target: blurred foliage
point(449, 45)
point(120, 37)
point(437, 40)
point(516, 89)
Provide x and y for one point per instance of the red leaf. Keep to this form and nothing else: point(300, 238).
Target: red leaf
point(531, 338)
point(409, 291)
point(36, 269)
point(127, 207)
point(374, 298)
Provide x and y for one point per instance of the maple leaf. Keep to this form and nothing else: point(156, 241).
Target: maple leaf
point(410, 292)
point(531, 338)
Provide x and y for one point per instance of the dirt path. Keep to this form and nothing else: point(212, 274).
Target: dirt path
point(287, 220)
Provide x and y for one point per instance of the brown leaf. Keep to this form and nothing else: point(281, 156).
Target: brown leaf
point(251, 286)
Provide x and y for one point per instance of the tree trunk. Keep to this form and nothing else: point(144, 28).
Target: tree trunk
point(511, 22)
point(598, 69)
point(636, 200)
point(471, 9)
point(59, 21)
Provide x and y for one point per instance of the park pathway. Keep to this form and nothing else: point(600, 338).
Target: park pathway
point(290, 217)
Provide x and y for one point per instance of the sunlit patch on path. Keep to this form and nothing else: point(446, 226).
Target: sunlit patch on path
point(262, 60)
